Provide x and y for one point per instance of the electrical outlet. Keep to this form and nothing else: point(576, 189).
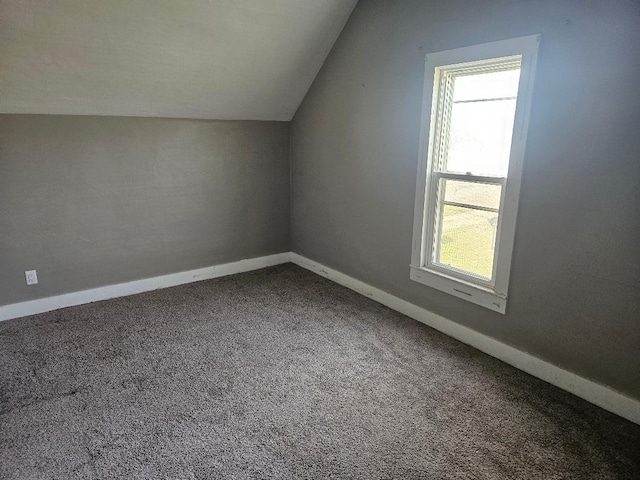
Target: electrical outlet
point(31, 276)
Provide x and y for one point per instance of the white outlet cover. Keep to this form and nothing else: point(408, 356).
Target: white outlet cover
point(31, 276)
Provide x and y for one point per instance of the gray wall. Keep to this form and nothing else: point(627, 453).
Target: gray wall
point(574, 293)
point(92, 201)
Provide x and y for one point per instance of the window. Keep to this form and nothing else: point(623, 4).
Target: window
point(474, 124)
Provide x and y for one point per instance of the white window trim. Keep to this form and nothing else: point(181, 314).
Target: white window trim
point(492, 297)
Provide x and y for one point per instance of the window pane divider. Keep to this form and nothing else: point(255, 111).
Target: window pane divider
point(470, 206)
point(465, 177)
point(497, 99)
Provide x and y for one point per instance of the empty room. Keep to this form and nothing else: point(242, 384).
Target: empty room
point(308, 239)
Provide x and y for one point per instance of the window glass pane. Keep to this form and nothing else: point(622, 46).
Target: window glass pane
point(485, 195)
point(466, 240)
point(480, 137)
point(486, 85)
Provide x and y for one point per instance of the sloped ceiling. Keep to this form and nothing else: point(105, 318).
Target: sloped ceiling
point(213, 59)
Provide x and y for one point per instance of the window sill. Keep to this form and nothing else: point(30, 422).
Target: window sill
point(472, 293)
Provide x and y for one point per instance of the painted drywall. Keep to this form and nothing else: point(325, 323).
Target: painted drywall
point(222, 59)
point(575, 284)
point(93, 201)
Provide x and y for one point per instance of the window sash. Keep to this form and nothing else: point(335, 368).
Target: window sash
point(444, 83)
point(445, 77)
point(433, 221)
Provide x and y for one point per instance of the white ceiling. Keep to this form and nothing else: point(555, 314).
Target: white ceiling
point(217, 59)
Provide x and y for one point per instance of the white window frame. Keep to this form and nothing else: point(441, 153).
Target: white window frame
point(492, 295)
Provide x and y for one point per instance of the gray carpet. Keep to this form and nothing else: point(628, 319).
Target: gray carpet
point(280, 373)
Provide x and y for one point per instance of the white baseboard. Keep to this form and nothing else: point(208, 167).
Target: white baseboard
point(47, 304)
point(589, 390)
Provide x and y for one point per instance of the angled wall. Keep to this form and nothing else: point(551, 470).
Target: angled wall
point(575, 283)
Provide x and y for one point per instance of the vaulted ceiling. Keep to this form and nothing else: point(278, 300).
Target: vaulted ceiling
point(213, 59)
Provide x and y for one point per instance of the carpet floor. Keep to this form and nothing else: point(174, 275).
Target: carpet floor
point(280, 373)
